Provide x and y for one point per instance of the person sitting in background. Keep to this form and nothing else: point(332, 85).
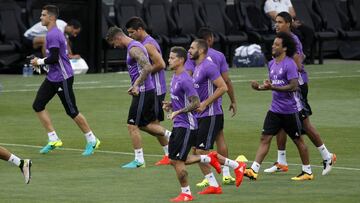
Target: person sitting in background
point(306, 34)
point(36, 35)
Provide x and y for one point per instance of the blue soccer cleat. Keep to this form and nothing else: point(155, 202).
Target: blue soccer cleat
point(90, 147)
point(134, 164)
point(51, 146)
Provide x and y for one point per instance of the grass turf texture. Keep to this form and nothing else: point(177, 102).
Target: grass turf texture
point(66, 176)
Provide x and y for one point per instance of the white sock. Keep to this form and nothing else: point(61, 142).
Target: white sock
point(186, 190)
point(231, 163)
point(325, 154)
point(307, 169)
point(166, 150)
point(225, 171)
point(53, 136)
point(204, 159)
point(139, 155)
point(255, 166)
point(282, 157)
point(212, 181)
point(90, 137)
point(14, 159)
point(167, 134)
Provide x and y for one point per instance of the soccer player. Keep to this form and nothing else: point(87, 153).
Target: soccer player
point(141, 113)
point(219, 59)
point(59, 81)
point(210, 87)
point(184, 100)
point(283, 24)
point(284, 112)
point(136, 29)
point(23, 164)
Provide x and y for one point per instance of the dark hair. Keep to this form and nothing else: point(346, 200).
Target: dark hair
point(52, 10)
point(286, 16)
point(135, 23)
point(180, 52)
point(202, 45)
point(205, 33)
point(75, 23)
point(288, 42)
point(112, 32)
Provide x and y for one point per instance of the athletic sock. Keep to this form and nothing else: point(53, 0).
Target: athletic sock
point(186, 190)
point(14, 159)
point(204, 159)
point(53, 136)
point(231, 163)
point(225, 171)
point(139, 155)
point(307, 169)
point(282, 157)
point(167, 134)
point(212, 181)
point(90, 137)
point(255, 166)
point(325, 154)
point(166, 150)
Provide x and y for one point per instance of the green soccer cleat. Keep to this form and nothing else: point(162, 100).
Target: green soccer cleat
point(51, 146)
point(228, 180)
point(204, 183)
point(134, 164)
point(90, 147)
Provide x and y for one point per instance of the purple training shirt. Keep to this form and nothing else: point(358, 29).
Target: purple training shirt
point(299, 50)
point(62, 70)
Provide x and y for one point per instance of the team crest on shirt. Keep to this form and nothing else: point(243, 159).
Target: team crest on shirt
point(280, 71)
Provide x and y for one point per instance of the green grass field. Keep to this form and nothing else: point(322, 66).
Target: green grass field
point(65, 176)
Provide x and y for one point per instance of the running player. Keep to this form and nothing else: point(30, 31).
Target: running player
point(23, 164)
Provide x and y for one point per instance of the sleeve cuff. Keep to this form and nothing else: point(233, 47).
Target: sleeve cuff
point(41, 61)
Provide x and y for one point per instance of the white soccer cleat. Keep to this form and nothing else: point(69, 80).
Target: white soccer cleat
point(277, 168)
point(328, 164)
point(25, 170)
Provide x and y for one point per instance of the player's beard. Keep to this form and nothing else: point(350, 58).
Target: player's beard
point(195, 56)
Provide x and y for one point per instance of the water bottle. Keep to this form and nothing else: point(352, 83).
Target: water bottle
point(30, 70)
point(25, 70)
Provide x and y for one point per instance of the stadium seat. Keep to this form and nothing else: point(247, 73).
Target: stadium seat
point(217, 19)
point(125, 9)
point(11, 29)
point(162, 26)
point(187, 17)
point(256, 24)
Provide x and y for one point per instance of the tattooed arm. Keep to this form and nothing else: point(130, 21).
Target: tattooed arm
point(145, 66)
point(194, 104)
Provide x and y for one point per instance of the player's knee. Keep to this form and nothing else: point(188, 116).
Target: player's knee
point(37, 107)
point(72, 114)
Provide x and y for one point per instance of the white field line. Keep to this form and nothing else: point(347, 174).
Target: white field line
point(126, 86)
point(152, 155)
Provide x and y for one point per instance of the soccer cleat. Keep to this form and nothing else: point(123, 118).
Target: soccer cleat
point(228, 180)
point(90, 147)
point(328, 164)
point(303, 176)
point(211, 190)
point(25, 167)
point(51, 146)
point(239, 172)
point(183, 197)
point(214, 162)
point(164, 161)
point(250, 173)
point(277, 168)
point(203, 183)
point(134, 164)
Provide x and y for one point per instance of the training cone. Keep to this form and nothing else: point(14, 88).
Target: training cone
point(241, 158)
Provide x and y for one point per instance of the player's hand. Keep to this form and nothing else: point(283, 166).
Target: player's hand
point(255, 85)
point(267, 84)
point(133, 90)
point(166, 106)
point(173, 114)
point(233, 109)
point(33, 62)
point(201, 108)
point(74, 56)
